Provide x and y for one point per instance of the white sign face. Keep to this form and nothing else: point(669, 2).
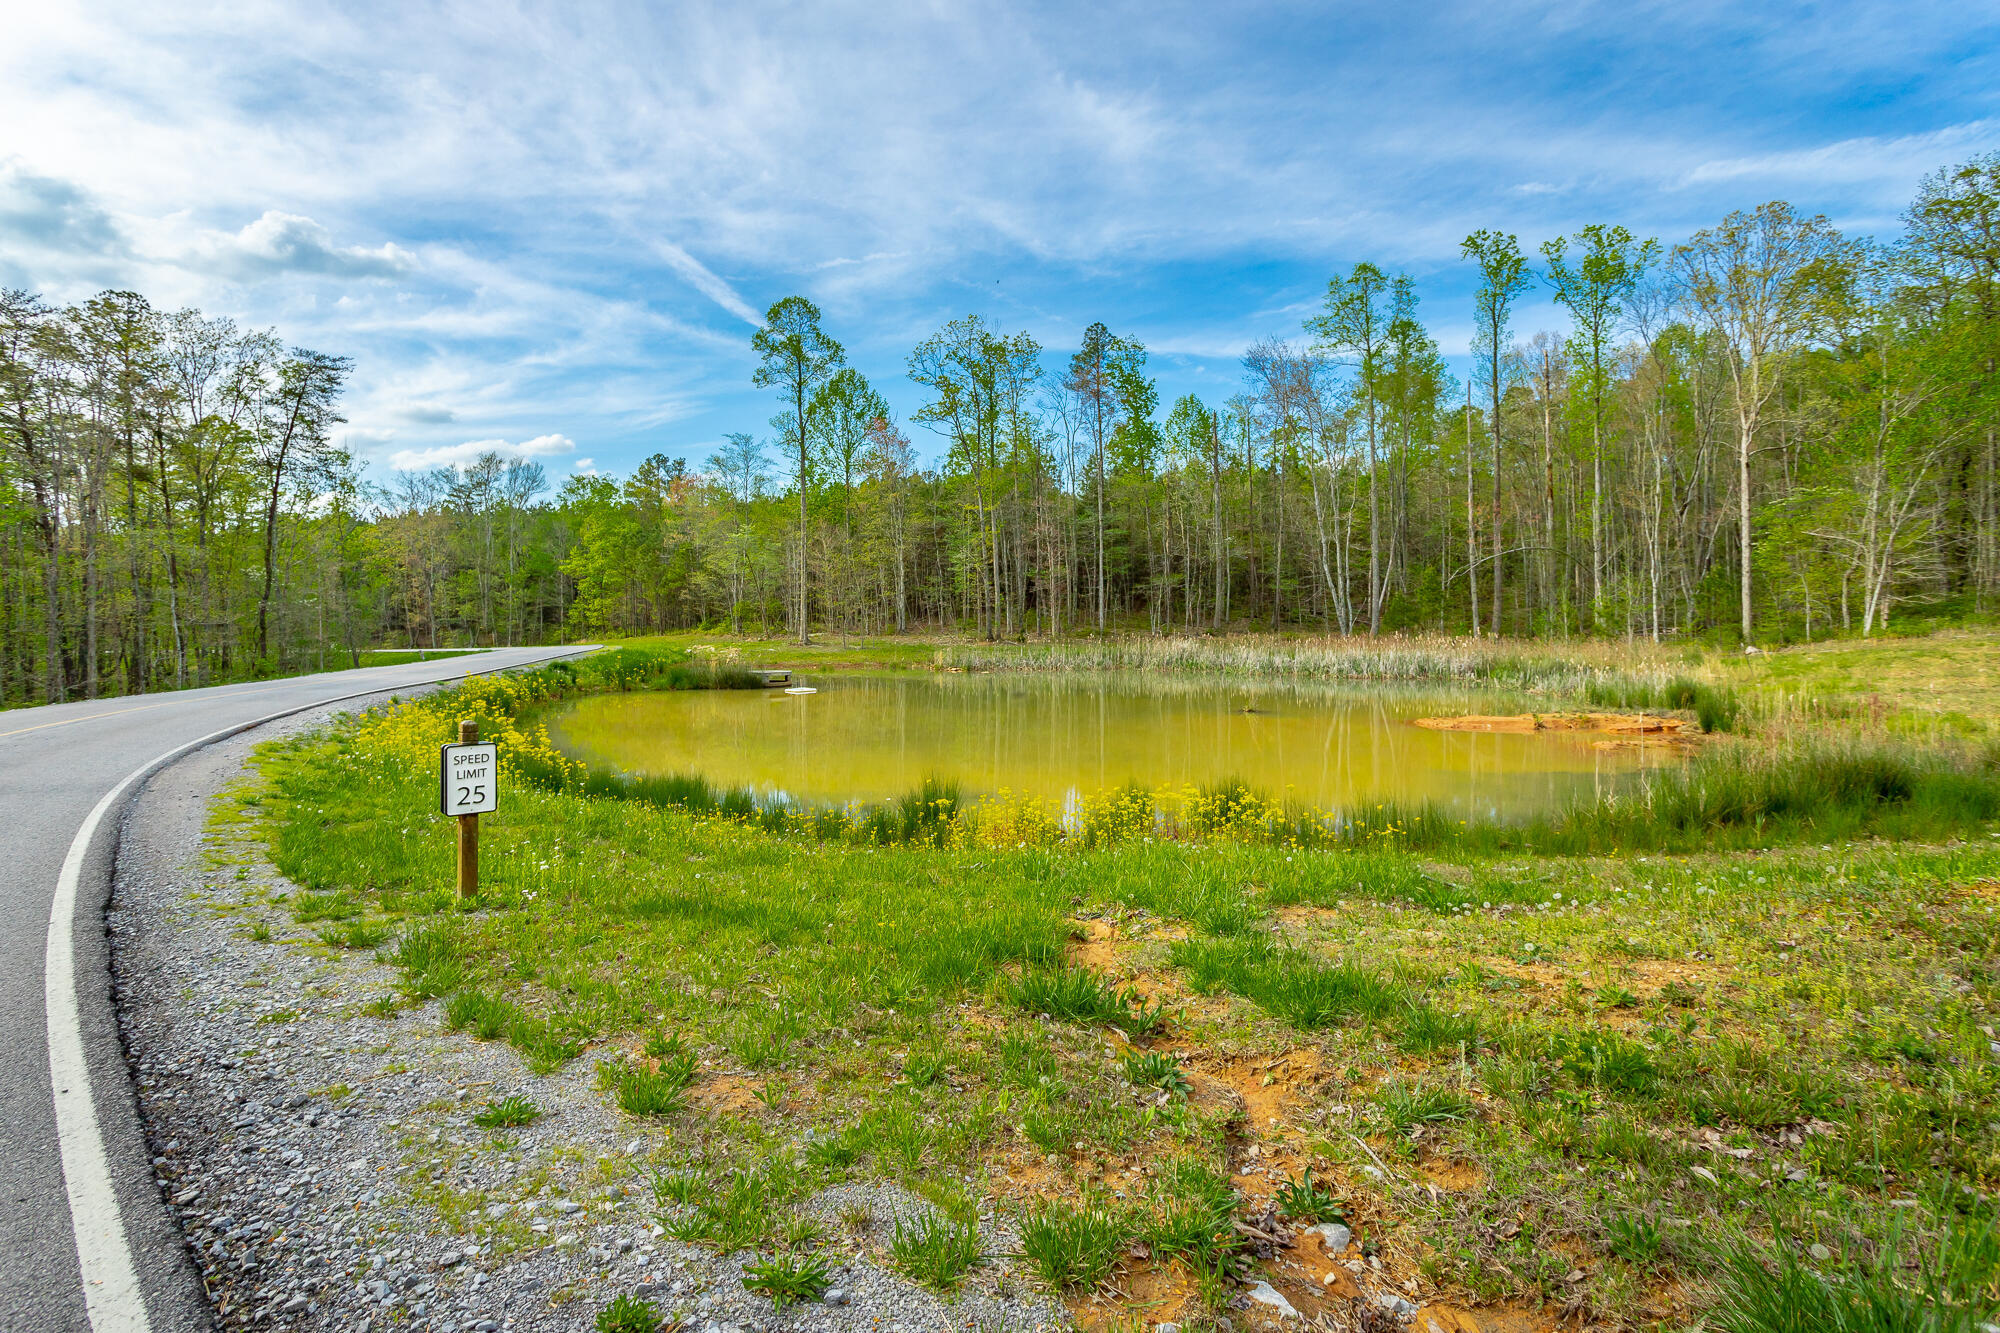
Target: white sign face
point(468, 779)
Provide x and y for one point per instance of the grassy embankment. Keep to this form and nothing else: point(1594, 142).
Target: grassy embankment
point(1722, 1084)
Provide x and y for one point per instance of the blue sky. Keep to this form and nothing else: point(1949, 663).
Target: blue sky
point(554, 227)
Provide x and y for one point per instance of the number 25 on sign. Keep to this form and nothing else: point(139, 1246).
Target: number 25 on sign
point(468, 787)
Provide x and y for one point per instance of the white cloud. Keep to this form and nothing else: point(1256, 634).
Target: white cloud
point(705, 282)
point(463, 455)
point(585, 467)
point(473, 202)
point(288, 243)
point(1862, 160)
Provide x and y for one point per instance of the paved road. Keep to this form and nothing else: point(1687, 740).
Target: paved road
point(99, 1225)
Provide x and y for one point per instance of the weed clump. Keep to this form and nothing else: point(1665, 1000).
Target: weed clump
point(648, 1090)
point(507, 1113)
point(1408, 1104)
point(788, 1278)
point(730, 1219)
point(1304, 1200)
point(1288, 983)
point(629, 1314)
point(1074, 994)
point(1156, 1069)
point(934, 1251)
point(1773, 1289)
point(1071, 1246)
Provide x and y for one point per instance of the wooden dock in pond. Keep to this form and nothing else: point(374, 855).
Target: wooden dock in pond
point(773, 675)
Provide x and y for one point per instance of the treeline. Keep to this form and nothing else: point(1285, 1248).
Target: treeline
point(1768, 431)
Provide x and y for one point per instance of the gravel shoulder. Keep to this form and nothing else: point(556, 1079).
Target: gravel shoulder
point(314, 1133)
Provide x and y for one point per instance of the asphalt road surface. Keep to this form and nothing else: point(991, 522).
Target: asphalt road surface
point(87, 1244)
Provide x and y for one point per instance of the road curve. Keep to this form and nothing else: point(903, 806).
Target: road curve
point(89, 1247)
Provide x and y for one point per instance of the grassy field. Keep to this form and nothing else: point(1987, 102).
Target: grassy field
point(1951, 678)
point(1945, 681)
point(1748, 1089)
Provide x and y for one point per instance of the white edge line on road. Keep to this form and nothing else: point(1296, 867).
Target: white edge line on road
point(111, 1293)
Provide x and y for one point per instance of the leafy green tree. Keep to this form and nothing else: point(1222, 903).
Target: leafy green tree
point(841, 413)
point(1765, 283)
point(797, 357)
point(1594, 288)
point(1503, 276)
point(1950, 257)
point(1355, 323)
point(1194, 435)
point(1097, 376)
point(977, 378)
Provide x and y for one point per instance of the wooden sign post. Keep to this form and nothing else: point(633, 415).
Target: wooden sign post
point(468, 786)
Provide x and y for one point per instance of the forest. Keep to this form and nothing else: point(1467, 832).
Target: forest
point(1767, 432)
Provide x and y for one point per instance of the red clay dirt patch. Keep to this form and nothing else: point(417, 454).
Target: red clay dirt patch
point(1615, 724)
point(1613, 731)
point(724, 1092)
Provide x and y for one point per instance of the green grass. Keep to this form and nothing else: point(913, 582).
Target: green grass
point(657, 1089)
point(1156, 1069)
point(629, 1314)
point(1405, 1105)
point(1071, 1246)
point(1305, 1201)
point(1072, 994)
point(935, 1251)
point(733, 1216)
point(512, 1112)
point(1290, 984)
point(789, 1278)
point(1716, 709)
point(1636, 1055)
point(1776, 1289)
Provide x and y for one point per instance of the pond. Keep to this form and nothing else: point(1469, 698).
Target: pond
point(866, 737)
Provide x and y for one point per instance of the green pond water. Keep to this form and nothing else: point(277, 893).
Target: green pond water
point(866, 737)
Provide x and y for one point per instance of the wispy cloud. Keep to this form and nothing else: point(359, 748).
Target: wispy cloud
point(527, 225)
point(461, 455)
point(1863, 159)
point(705, 282)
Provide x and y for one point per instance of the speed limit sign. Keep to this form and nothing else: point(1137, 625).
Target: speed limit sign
point(468, 779)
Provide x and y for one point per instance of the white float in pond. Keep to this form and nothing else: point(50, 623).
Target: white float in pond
point(802, 689)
